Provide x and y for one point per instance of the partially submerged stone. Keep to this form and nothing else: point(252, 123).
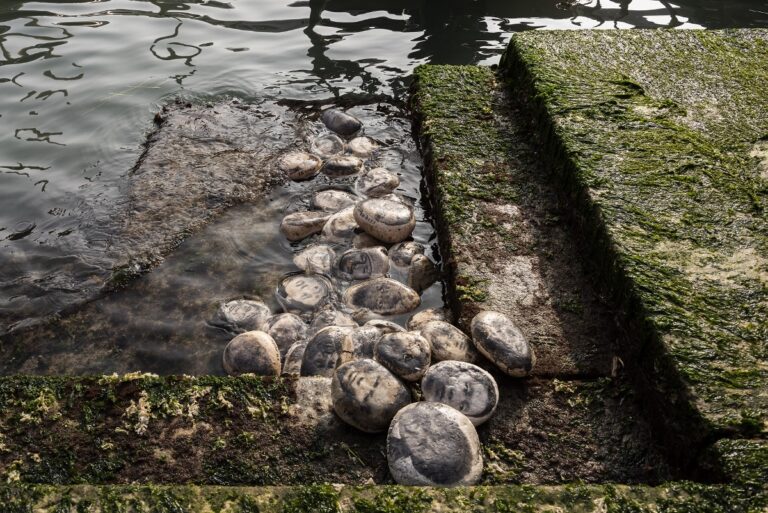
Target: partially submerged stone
point(367, 396)
point(300, 165)
point(331, 317)
point(387, 220)
point(252, 352)
point(286, 329)
point(463, 386)
point(324, 352)
point(340, 122)
point(359, 342)
point(448, 342)
point(318, 258)
point(422, 273)
point(362, 147)
point(406, 354)
point(243, 314)
point(362, 264)
point(383, 296)
point(327, 145)
point(293, 358)
point(300, 293)
point(402, 253)
point(419, 319)
point(432, 444)
point(342, 165)
point(301, 225)
point(499, 340)
point(341, 226)
point(376, 182)
point(332, 200)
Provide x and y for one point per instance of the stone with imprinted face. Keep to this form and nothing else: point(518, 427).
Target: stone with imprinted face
point(340, 122)
point(252, 352)
point(367, 396)
point(243, 314)
point(342, 165)
point(383, 296)
point(362, 264)
point(299, 165)
point(286, 329)
point(304, 293)
point(301, 225)
point(362, 147)
point(432, 444)
point(331, 317)
point(448, 342)
point(318, 258)
point(387, 220)
point(327, 145)
point(359, 342)
point(419, 319)
point(376, 182)
point(324, 352)
point(293, 358)
point(405, 354)
point(341, 226)
point(499, 340)
point(463, 386)
point(332, 200)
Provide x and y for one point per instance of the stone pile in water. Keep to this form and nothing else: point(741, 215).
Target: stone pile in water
point(334, 320)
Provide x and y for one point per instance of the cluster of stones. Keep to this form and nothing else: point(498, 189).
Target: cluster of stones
point(334, 321)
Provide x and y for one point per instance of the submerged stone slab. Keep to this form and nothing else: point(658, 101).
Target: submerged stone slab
point(658, 137)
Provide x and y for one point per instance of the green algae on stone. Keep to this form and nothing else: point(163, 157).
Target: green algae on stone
point(654, 136)
point(741, 461)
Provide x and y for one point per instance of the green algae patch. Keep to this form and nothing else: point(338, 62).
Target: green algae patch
point(741, 461)
point(657, 138)
point(672, 498)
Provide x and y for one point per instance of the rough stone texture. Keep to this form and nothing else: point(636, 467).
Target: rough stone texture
point(656, 139)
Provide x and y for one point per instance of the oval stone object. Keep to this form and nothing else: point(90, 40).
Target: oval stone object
point(332, 200)
point(359, 342)
point(385, 326)
point(432, 444)
point(362, 264)
point(422, 273)
point(383, 296)
point(301, 225)
point(317, 258)
point(499, 340)
point(331, 317)
point(286, 329)
point(405, 354)
point(252, 352)
point(448, 342)
point(419, 319)
point(327, 145)
point(304, 292)
point(340, 122)
point(341, 226)
point(376, 182)
point(387, 220)
point(463, 386)
point(362, 147)
point(367, 396)
point(244, 314)
point(402, 254)
point(324, 352)
point(292, 360)
point(342, 165)
point(299, 165)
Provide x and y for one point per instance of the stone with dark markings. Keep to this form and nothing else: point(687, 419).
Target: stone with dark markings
point(300, 165)
point(324, 352)
point(252, 352)
point(317, 258)
point(385, 326)
point(402, 253)
point(363, 264)
point(286, 329)
point(327, 145)
point(499, 340)
point(422, 273)
point(293, 358)
point(332, 200)
point(301, 293)
point(376, 182)
point(341, 226)
point(342, 165)
point(340, 122)
point(383, 296)
point(419, 319)
point(331, 317)
point(387, 220)
point(405, 354)
point(463, 386)
point(448, 342)
point(362, 147)
point(242, 315)
point(359, 342)
point(301, 225)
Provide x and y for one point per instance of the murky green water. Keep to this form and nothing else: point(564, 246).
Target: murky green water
point(80, 81)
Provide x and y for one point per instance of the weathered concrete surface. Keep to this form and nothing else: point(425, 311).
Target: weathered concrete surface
point(671, 498)
point(657, 138)
point(251, 431)
point(502, 230)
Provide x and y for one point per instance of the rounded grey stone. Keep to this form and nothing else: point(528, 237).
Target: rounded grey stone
point(324, 352)
point(385, 326)
point(304, 293)
point(340, 122)
point(252, 352)
point(300, 225)
point(286, 329)
point(367, 396)
point(463, 386)
point(422, 273)
point(402, 253)
point(362, 264)
point(342, 165)
point(317, 258)
point(383, 296)
point(362, 147)
point(363, 240)
point(331, 317)
point(419, 319)
point(327, 145)
point(387, 220)
point(376, 182)
point(432, 444)
point(363, 315)
point(332, 200)
point(499, 340)
point(341, 226)
point(405, 354)
point(292, 360)
point(299, 165)
point(244, 314)
point(448, 342)
point(359, 342)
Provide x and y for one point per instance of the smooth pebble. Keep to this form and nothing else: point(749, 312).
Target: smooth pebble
point(332, 200)
point(341, 226)
point(362, 264)
point(499, 340)
point(402, 253)
point(301, 225)
point(419, 319)
point(324, 352)
point(422, 273)
point(299, 165)
point(293, 358)
point(387, 220)
point(405, 354)
point(286, 329)
point(318, 258)
point(327, 145)
point(342, 165)
point(362, 147)
point(448, 342)
point(244, 314)
point(252, 352)
point(304, 293)
point(463, 386)
point(340, 122)
point(383, 296)
point(376, 182)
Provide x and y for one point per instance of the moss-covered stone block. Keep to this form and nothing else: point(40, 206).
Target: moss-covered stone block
point(659, 141)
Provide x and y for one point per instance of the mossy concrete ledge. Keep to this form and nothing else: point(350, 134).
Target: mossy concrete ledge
point(673, 498)
point(660, 140)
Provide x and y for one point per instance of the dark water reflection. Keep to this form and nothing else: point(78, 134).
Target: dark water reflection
point(80, 81)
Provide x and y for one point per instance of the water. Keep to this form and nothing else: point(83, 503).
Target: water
point(80, 82)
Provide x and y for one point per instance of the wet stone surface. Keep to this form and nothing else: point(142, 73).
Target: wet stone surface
point(499, 340)
point(406, 354)
point(463, 386)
